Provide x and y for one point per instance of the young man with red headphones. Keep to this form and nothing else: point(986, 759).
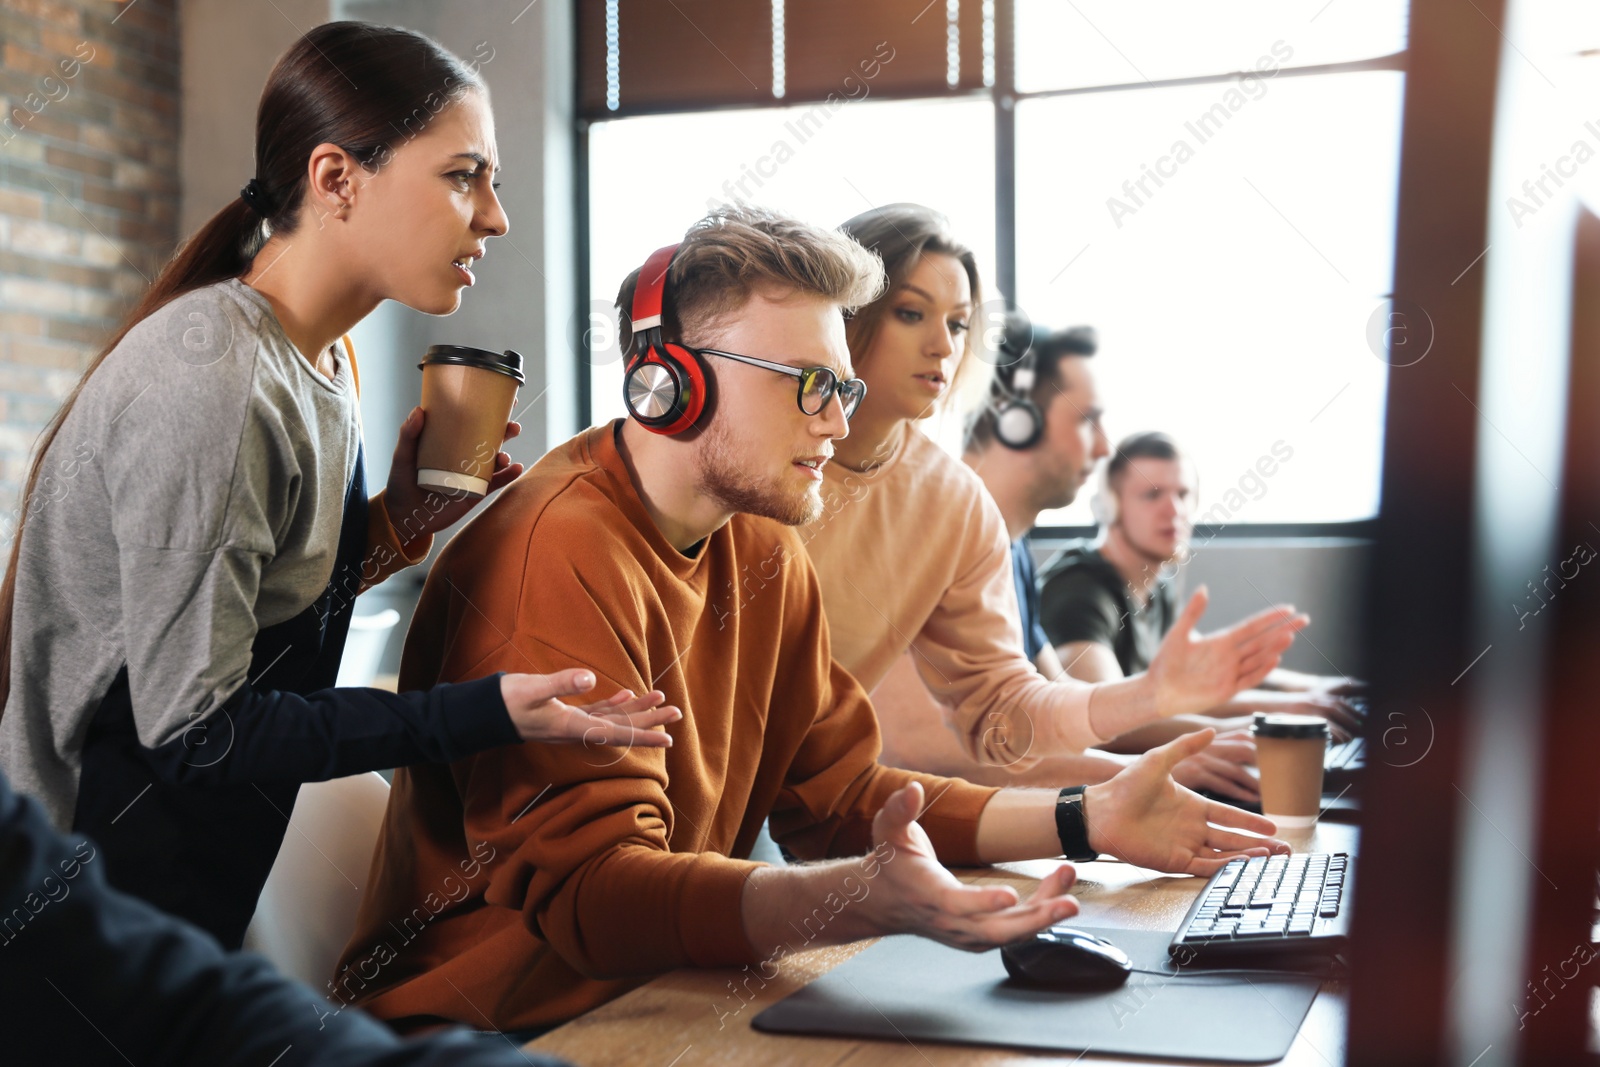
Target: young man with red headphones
point(661, 547)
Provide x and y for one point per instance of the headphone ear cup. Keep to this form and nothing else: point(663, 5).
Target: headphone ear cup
point(1018, 423)
point(696, 388)
point(665, 390)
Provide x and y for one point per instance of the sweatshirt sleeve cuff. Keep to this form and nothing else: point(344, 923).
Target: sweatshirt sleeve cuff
point(386, 553)
point(952, 823)
point(711, 918)
point(475, 715)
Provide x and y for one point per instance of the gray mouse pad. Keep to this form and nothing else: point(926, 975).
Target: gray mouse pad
point(912, 989)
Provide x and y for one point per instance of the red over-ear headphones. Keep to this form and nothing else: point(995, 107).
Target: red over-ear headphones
point(665, 384)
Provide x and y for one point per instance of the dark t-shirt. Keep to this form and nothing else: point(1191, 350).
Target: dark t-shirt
point(1082, 597)
point(1027, 579)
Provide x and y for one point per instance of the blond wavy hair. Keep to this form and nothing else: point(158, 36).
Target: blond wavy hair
point(900, 235)
point(729, 255)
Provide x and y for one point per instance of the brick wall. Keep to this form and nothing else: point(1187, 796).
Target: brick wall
point(88, 195)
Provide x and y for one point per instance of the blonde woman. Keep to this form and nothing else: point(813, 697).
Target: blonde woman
point(913, 554)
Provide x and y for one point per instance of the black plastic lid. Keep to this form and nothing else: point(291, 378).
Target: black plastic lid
point(508, 362)
point(1280, 724)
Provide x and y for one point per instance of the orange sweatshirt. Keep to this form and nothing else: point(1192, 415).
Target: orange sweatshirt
point(533, 882)
point(914, 554)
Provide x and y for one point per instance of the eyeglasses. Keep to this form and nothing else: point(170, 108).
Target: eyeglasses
point(817, 384)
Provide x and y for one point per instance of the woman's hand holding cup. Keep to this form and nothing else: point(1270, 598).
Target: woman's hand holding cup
point(440, 473)
point(416, 512)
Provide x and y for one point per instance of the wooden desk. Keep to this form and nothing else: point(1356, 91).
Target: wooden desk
point(674, 1020)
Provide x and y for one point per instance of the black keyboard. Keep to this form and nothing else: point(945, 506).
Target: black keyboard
point(1269, 906)
point(1346, 758)
point(1343, 766)
point(1348, 755)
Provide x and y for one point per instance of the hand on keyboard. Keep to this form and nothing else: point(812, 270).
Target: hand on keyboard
point(1343, 716)
point(1221, 768)
point(1345, 687)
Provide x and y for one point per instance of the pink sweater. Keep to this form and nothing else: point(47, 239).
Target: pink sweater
point(914, 554)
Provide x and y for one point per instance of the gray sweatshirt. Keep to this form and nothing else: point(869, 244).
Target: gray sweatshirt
point(184, 585)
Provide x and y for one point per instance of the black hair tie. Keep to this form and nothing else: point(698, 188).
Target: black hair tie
point(255, 194)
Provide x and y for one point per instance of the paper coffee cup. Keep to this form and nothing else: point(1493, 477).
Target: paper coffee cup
point(467, 396)
point(1289, 753)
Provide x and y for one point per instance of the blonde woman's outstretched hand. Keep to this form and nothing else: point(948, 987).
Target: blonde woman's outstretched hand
point(1192, 673)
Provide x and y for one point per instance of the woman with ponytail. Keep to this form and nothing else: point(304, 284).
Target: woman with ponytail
point(177, 601)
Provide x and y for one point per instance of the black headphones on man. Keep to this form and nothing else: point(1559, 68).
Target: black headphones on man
point(1018, 422)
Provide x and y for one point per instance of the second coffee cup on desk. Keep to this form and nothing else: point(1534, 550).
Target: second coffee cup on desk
point(1290, 750)
point(467, 396)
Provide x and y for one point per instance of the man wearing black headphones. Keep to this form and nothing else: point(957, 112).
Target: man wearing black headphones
point(1035, 444)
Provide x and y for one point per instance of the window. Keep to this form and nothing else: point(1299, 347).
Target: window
point(1233, 296)
point(1087, 43)
point(1230, 237)
point(822, 163)
point(1217, 199)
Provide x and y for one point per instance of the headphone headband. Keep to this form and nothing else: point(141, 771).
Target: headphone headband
point(1022, 375)
point(1018, 422)
point(649, 293)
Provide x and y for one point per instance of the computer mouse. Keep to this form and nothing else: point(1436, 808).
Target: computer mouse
point(1067, 959)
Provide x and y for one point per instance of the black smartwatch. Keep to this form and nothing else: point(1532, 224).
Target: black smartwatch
point(1072, 824)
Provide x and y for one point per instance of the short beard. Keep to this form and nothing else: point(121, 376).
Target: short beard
point(1050, 493)
point(721, 479)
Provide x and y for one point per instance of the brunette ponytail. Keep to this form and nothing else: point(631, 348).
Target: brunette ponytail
point(365, 88)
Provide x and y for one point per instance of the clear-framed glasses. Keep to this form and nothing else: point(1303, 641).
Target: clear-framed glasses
point(817, 384)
